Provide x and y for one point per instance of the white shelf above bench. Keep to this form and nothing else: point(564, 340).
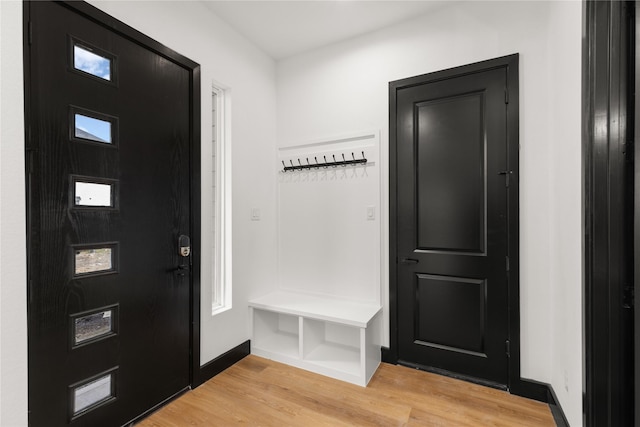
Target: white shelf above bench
point(329, 336)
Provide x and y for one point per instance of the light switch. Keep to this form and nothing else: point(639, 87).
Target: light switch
point(255, 214)
point(371, 213)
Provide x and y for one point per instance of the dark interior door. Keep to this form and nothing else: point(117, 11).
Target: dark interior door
point(451, 195)
point(108, 192)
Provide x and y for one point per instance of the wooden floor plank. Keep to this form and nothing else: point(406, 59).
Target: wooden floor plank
point(458, 400)
point(346, 402)
point(260, 392)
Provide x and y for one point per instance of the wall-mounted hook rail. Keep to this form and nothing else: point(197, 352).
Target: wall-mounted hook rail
point(326, 164)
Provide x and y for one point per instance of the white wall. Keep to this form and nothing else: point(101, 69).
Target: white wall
point(565, 47)
point(13, 268)
point(225, 57)
point(344, 88)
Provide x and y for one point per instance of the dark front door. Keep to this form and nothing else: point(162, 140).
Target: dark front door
point(451, 221)
point(108, 192)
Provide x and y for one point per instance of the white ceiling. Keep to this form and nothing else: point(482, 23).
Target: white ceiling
point(286, 28)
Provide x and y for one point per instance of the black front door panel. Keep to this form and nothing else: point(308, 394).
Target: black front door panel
point(108, 198)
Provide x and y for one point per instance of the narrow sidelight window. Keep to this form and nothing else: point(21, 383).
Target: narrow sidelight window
point(220, 195)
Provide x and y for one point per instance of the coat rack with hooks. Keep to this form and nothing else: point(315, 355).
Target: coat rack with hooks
point(324, 197)
point(324, 164)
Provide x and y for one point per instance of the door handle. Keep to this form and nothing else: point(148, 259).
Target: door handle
point(408, 261)
point(184, 249)
point(181, 270)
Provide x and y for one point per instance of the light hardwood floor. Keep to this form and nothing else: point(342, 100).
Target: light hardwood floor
point(260, 392)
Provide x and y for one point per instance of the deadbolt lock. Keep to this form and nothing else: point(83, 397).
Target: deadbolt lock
point(184, 243)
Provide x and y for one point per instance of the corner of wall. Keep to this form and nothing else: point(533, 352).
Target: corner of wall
point(565, 47)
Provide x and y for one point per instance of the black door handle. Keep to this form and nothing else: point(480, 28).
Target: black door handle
point(408, 261)
point(181, 270)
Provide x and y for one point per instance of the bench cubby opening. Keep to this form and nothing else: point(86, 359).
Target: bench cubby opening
point(277, 332)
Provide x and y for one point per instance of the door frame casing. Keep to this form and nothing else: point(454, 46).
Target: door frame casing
point(608, 206)
point(510, 63)
point(101, 18)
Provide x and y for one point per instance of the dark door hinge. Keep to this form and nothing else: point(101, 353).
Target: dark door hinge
point(506, 96)
point(30, 295)
point(506, 174)
point(30, 159)
point(627, 150)
point(628, 297)
point(507, 345)
point(507, 262)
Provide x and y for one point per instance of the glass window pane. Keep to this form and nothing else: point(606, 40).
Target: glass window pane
point(89, 62)
point(93, 194)
point(93, 326)
point(92, 393)
point(93, 129)
point(93, 260)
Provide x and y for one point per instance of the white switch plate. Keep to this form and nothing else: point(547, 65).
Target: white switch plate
point(371, 213)
point(255, 214)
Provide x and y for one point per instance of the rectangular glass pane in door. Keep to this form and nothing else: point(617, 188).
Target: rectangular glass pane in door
point(92, 129)
point(90, 327)
point(86, 60)
point(93, 126)
point(93, 194)
point(95, 259)
point(92, 393)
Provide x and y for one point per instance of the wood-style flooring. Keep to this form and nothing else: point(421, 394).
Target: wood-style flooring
point(260, 392)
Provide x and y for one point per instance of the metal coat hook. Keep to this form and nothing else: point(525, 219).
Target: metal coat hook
point(326, 164)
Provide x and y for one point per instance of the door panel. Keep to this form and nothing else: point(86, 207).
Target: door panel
point(88, 255)
point(451, 199)
point(451, 205)
point(435, 325)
